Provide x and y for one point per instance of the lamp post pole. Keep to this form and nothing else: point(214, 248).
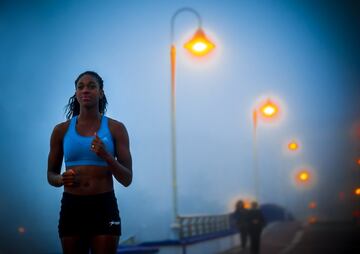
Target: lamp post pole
point(268, 110)
point(173, 107)
point(255, 156)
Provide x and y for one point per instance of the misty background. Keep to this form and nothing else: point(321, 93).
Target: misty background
point(304, 54)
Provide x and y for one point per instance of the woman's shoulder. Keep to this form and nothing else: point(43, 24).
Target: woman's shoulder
point(115, 124)
point(61, 128)
point(117, 128)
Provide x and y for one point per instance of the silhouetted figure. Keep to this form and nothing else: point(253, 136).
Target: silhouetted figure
point(256, 223)
point(240, 221)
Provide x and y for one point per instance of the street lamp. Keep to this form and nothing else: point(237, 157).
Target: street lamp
point(356, 212)
point(267, 110)
point(358, 161)
point(199, 46)
point(293, 145)
point(303, 176)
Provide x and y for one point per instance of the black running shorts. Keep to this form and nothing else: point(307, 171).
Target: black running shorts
point(89, 215)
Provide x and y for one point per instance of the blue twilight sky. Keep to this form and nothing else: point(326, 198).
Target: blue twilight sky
point(304, 54)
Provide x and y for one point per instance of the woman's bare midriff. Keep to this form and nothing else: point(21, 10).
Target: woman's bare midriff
point(90, 180)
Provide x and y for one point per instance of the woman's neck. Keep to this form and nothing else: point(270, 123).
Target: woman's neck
point(89, 114)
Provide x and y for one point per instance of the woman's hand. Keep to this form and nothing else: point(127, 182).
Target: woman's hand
point(98, 147)
point(68, 178)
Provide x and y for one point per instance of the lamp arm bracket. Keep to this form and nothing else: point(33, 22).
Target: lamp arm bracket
point(181, 10)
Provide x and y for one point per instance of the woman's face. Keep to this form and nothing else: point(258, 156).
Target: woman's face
point(88, 92)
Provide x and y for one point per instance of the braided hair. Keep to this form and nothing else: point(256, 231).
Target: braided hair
point(73, 107)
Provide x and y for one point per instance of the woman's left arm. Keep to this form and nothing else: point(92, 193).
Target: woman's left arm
point(121, 165)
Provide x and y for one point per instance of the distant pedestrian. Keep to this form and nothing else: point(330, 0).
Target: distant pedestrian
point(256, 223)
point(240, 221)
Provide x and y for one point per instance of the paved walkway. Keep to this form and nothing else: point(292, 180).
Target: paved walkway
point(275, 239)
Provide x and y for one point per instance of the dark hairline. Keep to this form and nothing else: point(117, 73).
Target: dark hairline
point(94, 75)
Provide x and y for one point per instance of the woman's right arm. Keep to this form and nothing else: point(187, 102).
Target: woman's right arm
point(56, 156)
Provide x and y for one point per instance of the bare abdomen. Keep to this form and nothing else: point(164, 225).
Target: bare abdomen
point(90, 180)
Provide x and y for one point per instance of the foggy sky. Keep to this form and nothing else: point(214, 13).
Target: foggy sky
point(305, 54)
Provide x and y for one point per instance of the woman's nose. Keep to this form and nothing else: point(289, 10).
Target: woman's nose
point(86, 90)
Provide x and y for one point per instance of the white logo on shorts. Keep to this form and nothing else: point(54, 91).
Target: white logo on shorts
point(114, 223)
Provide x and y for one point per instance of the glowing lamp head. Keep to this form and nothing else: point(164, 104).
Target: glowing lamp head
point(269, 109)
point(358, 161)
point(303, 176)
point(293, 146)
point(199, 45)
point(357, 191)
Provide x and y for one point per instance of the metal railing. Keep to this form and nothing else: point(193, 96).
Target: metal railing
point(190, 226)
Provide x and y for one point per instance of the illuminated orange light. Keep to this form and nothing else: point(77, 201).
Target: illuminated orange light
point(247, 203)
point(199, 45)
point(303, 176)
point(312, 205)
point(269, 109)
point(358, 161)
point(293, 146)
point(357, 191)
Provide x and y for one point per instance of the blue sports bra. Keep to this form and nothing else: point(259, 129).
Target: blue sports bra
point(77, 148)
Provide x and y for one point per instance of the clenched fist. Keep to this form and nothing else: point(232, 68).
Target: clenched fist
point(68, 178)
